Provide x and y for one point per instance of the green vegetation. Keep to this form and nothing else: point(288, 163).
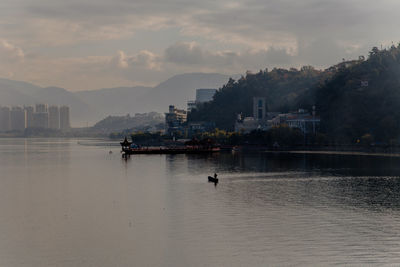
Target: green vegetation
point(361, 102)
point(358, 101)
point(139, 122)
point(281, 87)
point(282, 136)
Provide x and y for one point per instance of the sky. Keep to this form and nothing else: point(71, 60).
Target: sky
point(93, 44)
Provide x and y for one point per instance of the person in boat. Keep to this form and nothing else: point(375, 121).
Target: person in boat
point(215, 175)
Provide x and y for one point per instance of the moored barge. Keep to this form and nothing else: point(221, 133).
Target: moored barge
point(191, 147)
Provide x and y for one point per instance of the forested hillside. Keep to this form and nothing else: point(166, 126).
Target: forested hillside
point(363, 101)
point(357, 100)
point(281, 87)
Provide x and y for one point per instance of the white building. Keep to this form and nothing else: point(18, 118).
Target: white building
point(5, 120)
point(64, 118)
point(259, 108)
point(41, 120)
point(54, 117)
point(17, 116)
point(29, 110)
point(174, 119)
point(41, 108)
point(259, 119)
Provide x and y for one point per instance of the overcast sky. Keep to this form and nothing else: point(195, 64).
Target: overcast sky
point(89, 44)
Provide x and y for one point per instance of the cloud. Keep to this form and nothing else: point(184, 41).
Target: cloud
point(159, 38)
point(11, 52)
point(252, 24)
point(185, 53)
point(192, 54)
point(144, 59)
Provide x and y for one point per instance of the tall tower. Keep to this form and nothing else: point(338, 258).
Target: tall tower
point(64, 118)
point(5, 124)
point(259, 108)
point(41, 108)
point(17, 119)
point(41, 120)
point(41, 116)
point(54, 117)
point(29, 110)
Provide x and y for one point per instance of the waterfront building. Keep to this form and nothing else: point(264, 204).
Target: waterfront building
point(29, 110)
point(306, 122)
point(64, 118)
point(17, 116)
point(302, 119)
point(258, 121)
point(259, 108)
point(202, 96)
point(5, 120)
point(196, 127)
point(175, 119)
point(54, 117)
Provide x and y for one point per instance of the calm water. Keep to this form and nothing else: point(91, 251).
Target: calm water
point(65, 204)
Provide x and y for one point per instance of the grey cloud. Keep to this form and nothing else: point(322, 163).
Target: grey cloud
point(234, 35)
point(185, 54)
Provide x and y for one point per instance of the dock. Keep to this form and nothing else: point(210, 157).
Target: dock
point(190, 148)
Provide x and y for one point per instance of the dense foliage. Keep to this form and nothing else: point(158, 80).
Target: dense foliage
point(362, 102)
point(281, 88)
point(281, 136)
point(140, 122)
point(357, 100)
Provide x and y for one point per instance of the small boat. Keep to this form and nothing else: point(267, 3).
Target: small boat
point(212, 179)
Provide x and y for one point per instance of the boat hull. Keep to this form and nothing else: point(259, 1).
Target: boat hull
point(130, 151)
point(212, 179)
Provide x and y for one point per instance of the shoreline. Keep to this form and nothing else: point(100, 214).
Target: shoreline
point(328, 152)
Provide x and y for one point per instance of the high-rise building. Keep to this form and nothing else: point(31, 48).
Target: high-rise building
point(29, 110)
point(64, 118)
point(5, 120)
point(41, 120)
point(259, 108)
point(41, 108)
point(191, 105)
point(174, 119)
point(17, 119)
point(54, 117)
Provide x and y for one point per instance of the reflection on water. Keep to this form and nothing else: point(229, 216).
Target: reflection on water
point(65, 204)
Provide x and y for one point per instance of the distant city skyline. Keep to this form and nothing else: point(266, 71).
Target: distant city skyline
point(84, 45)
point(19, 118)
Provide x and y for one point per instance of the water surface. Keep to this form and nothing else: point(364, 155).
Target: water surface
point(65, 204)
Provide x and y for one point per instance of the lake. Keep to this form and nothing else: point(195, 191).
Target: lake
point(68, 202)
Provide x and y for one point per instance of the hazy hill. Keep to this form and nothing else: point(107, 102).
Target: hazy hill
point(21, 93)
point(142, 121)
point(112, 101)
point(18, 86)
point(81, 113)
point(178, 90)
point(92, 106)
point(17, 93)
point(174, 91)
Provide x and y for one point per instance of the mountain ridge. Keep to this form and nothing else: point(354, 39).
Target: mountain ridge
point(90, 106)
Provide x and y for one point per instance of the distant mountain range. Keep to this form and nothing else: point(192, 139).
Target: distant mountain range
point(88, 107)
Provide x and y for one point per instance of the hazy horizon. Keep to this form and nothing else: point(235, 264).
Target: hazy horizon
point(85, 45)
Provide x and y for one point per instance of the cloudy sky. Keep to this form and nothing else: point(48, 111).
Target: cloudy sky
point(90, 44)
